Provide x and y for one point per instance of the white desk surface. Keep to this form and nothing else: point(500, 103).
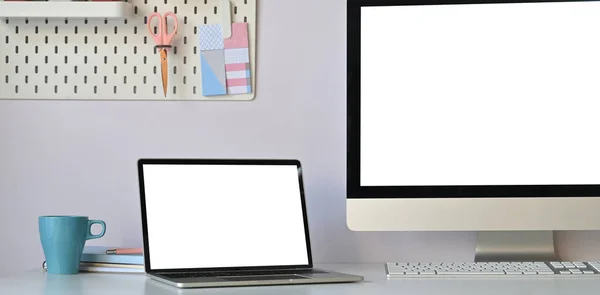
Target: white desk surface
point(38, 282)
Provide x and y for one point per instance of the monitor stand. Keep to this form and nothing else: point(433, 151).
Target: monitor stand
point(506, 246)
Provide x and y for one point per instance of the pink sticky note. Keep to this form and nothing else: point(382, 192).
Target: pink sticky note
point(239, 36)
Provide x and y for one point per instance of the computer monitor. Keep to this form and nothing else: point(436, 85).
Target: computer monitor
point(474, 116)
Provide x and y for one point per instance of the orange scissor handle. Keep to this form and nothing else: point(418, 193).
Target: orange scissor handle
point(163, 38)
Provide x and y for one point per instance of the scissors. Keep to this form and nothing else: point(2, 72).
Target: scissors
point(163, 42)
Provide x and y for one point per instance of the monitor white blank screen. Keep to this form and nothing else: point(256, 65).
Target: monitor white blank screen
point(480, 94)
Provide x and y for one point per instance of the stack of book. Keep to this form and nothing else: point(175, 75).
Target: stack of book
point(96, 259)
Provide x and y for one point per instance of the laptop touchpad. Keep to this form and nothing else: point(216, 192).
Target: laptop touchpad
point(263, 278)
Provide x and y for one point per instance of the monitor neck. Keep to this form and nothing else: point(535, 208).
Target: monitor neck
point(505, 246)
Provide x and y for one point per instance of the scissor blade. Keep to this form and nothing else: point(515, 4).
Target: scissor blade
point(164, 66)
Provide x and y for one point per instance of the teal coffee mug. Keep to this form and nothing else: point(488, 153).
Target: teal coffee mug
point(63, 239)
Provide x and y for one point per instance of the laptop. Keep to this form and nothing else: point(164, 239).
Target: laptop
point(227, 222)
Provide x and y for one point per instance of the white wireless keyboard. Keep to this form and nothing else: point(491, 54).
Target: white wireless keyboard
point(478, 269)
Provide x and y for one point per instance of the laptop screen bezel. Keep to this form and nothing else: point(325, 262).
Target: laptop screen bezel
point(266, 162)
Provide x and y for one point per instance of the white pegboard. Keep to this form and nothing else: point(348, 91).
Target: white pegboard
point(110, 59)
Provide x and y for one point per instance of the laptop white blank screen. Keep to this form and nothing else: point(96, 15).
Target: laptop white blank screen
point(211, 216)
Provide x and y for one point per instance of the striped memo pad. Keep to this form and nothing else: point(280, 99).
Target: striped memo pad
point(225, 63)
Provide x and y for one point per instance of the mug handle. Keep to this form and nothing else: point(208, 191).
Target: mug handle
point(90, 236)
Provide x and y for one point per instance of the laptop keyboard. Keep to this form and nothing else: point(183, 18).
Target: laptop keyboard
point(240, 273)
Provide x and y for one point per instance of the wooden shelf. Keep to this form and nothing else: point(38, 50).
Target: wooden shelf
point(65, 9)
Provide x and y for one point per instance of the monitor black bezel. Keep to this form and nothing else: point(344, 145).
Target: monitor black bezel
point(156, 161)
point(356, 191)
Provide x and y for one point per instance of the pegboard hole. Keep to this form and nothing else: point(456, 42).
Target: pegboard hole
point(26, 79)
point(185, 60)
point(154, 89)
point(75, 89)
point(85, 79)
point(184, 80)
point(124, 79)
point(124, 59)
point(105, 80)
point(185, 20)
point(235, 10)
point(75, 69)
point(16, 69)
point(95, 69)
point(95, 30)
point(85, 59)
point(26, 39)
point(46, 79)
point(145, 80)
point(36, 89)
point(195, 9)
point(135, 69)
